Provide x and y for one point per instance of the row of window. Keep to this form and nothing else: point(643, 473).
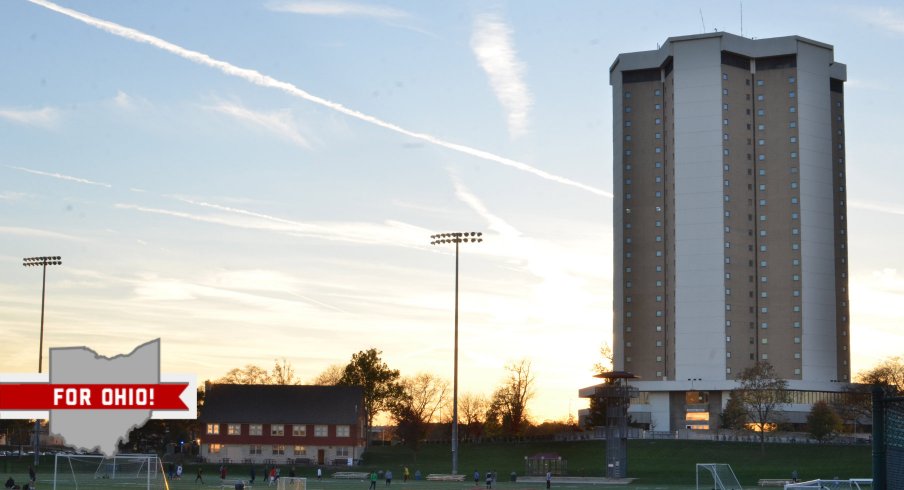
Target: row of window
point(278, 450)
point(761, 97)
point(759, 112)
point(280, 430)
point(760, 82)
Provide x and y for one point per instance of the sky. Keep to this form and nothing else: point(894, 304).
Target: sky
point(255, 180)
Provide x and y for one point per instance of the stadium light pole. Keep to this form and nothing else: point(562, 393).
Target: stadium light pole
point(457, 238)
point(42, 262)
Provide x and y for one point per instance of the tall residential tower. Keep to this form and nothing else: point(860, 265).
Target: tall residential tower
point(729, 221)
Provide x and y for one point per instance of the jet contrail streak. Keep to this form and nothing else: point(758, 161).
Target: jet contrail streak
point(258, 78)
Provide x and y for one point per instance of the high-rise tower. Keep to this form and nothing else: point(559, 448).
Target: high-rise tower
point(729, 217)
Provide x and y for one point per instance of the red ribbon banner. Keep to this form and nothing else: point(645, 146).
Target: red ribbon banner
point(43, 396)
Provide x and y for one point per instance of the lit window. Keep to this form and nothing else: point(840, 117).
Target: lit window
point(215, 448)
point(300, 450)
point(213, 428)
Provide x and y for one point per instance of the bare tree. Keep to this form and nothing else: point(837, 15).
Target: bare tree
point(248, 375)
point(472, 412)
point(607, 359)
point(888, 373)
point(508, 408)
point(282, 374)
point(329, 376)
point(423, 399)
point(762, 393)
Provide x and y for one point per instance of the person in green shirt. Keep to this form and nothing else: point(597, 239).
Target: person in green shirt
point(373, 480)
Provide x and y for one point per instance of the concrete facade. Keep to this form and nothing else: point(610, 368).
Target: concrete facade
point(729, 220)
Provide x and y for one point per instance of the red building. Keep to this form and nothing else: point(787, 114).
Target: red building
point(282, 424)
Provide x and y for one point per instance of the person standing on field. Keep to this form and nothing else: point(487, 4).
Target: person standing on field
point(548, 479)
point(199, 477)
point(373, 480)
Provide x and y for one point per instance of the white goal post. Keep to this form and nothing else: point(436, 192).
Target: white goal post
point(719, 476)
point(72, 470)
point(291, 483)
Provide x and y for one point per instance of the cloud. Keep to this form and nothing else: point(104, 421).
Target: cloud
point(12, 196)
point(33, 232)
point(492, 44)
point(338, 9)
point(262, 80)
point(390, 232)
point(61, 176)
point(47, 117)
point(878, 207)
point(279, 123)
point(883, 18)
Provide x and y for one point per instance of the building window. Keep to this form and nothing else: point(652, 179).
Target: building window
point(343, 431)
point(254, 449)
point(796, 340)
point(342, 452)
point(797, 355)
point(764, 325)
point(300, 450)
point(760, 112)
point(658, 136)
point(794, 200)
point(658, 150)
point(627, 124)
point(628, 109)
point(761, 142)
point(760, 83)
point(658, 313)
point(255, 429)
point(320, 430)
point(627, 137)
point(792, 124)
point(657, 92)
point(725, 76)
point(725, 136)
point(724, 107)
point(792, 109)
point(657, 121)
point(234, 429)
point(724, 91)
point(213, 428)
point(627, 95)
point(658, 343)
point(299, 430)
point(659, 106)
point(764, 357)
point(215, 448)
point(760, 97)
point(791, 94)
point(277, 430)
point(793, 154)
point(791, 79)
point(278, 449)
point(761, 157)
point(658, 358)
point(725, 122)
point(796, 370)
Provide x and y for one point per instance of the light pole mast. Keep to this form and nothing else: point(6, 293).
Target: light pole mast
point(43, 262)
point(456, 238)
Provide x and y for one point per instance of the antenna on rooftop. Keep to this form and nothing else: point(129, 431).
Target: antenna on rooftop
point(742, 18)
point(702, 22)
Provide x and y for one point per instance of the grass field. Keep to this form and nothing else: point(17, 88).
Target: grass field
point(664, 464)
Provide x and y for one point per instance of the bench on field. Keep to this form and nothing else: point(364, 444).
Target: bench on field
point(773, 482)
point(351, 475)
point(445, 477)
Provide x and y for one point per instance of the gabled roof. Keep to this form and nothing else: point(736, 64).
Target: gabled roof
point(267, 404)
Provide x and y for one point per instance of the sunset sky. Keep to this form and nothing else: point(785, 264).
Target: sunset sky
point(253, 180)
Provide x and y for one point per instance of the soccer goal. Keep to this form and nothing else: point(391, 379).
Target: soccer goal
point(718, 476)
point(74, 471)
point(291, 483)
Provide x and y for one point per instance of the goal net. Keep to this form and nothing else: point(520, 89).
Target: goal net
point(718, 476)
point(291, 483)
point(88, 471)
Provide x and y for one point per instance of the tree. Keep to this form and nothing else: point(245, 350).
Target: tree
point(734, 417)
point(472, 411)
point(282, 374)
point(607, 359)
point(823, 422)
point(329, 376)
point(381, 384)
point(889, 374)
point(249, 375)
point(425, 395)
point(853, 404)
point(762, 393)
point(508, 408)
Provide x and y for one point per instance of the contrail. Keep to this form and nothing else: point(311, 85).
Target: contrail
point(258, 78)
point(60, 176)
